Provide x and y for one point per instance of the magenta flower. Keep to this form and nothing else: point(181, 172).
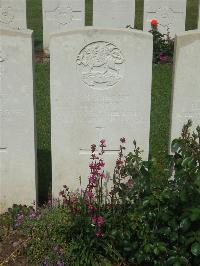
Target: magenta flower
point(90, 194)
point(99, 234)
point(163, 57)
point(100, 221)
point(94, 219)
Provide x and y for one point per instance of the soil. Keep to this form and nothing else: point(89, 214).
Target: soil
point(41, 57)
point(11, 248)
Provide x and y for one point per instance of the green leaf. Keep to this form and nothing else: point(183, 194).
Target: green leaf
point(195, 249)
point(175, 145)
point(156, 251)
point(185, 224)
point(186, 161)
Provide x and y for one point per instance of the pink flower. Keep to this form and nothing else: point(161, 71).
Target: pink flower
point(94, 219)
point(99, 234)
point(90, 194)
point(101, 163)
point(92, 179)
point(100, 221)
point(92, 208)
point(163, 57)
point(130, 183)
point(61, 193)
point(102, 175)
point(103, 141)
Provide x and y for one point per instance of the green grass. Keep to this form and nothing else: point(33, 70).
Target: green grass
point(161, 93)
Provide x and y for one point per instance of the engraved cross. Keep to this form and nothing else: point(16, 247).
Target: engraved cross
point(99, 130)
point(64, 14)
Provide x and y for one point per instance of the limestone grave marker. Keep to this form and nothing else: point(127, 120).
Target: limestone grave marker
point(113, 13)
point(13, 14)
point(17, 123)
point(186, 87)
point(59, 15)
point(171, 15)
point(103, 92)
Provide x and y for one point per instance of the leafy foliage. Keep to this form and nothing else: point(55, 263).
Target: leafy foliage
point(149, 216)
point(163, 46)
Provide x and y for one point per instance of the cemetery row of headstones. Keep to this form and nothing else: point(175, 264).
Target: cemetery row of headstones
point(100, 89)
point(59, 15)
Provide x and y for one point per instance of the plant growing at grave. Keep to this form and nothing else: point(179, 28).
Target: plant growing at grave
point(163, 45)
point(149, 216)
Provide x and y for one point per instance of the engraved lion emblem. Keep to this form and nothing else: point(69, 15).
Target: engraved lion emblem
point(6, 15)
point(100, 64)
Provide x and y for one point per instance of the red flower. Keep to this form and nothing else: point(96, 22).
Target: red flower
point(154, 22)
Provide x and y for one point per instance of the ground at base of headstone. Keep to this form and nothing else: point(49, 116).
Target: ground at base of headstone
point(41, 57)
point(11, 250)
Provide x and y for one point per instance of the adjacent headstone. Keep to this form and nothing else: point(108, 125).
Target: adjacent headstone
point(13, 14)
point(17, 131)
point(186, 92)
point(59, 15)
point(113, 13)
point(171, 15)
point(100, 89)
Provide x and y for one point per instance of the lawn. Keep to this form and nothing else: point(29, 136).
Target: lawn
point(161, 93)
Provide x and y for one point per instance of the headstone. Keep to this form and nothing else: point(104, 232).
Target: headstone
point(186, 91)
point(59, 15)
point(113, 13)
point(17, 132)
point(171, 15)
point(13, 14)
point(100, 89)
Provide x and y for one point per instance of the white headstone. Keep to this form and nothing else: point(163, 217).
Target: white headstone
point(59, 15)
point(186, 92)
point(113, 13)
point(13, 14)
point(171, 15)
point(17, 131)
point(100, 89)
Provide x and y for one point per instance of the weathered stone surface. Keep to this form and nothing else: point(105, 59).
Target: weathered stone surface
point(17, 131)
point(113, 13)
point(186, 92)
point(170, 14)
point(59, 15)
point(13, 14)
point(100, 89)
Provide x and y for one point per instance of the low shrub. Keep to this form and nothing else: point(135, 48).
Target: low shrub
point(149, 216)
point(163, 45)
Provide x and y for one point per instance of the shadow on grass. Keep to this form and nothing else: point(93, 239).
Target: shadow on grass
point(44, 175)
